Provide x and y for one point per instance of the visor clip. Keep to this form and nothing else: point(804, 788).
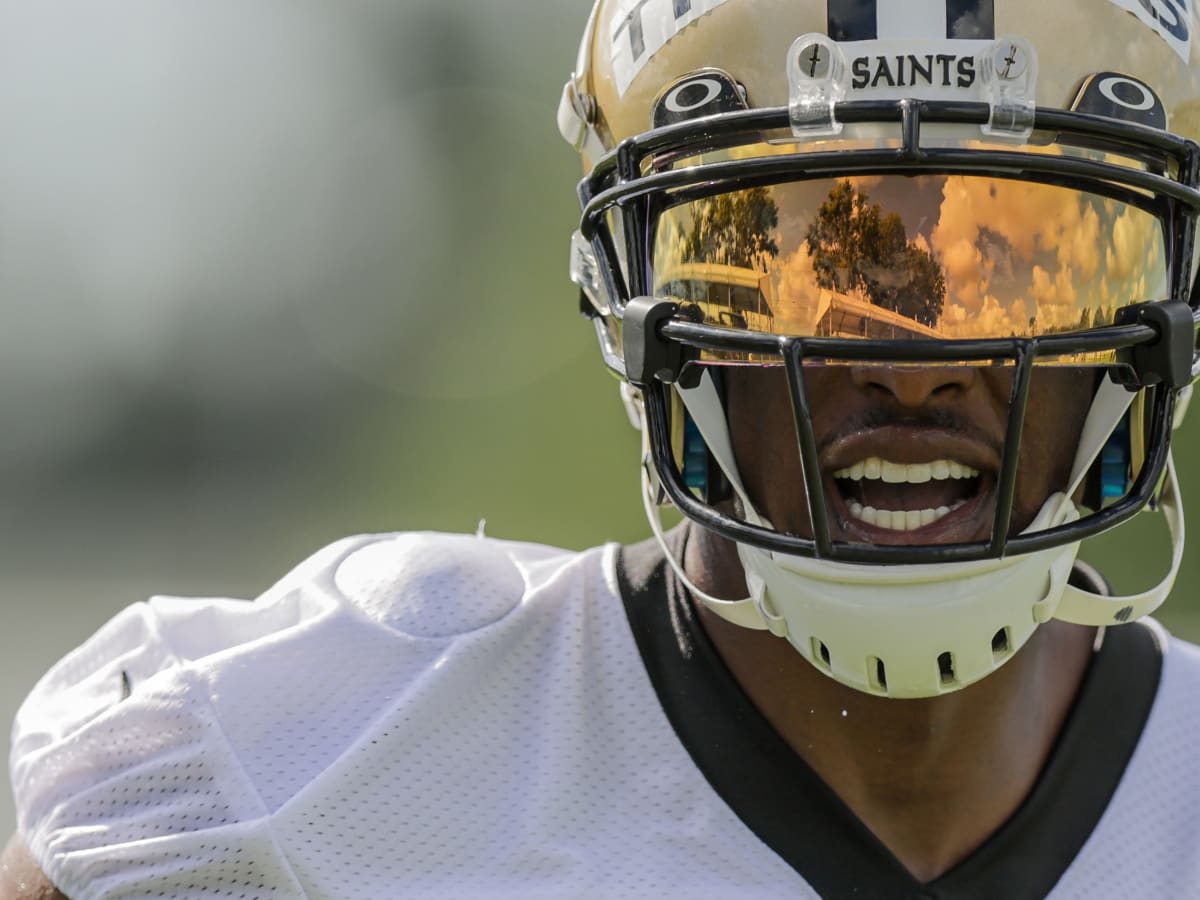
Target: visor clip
point(1167, 360)
point(648, 355)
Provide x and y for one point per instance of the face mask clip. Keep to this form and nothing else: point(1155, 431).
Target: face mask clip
point(818, 77)
point(1009, 77)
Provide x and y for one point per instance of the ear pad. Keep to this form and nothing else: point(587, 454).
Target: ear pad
point(700, 469)
point(1115, 464)
point(695, 456)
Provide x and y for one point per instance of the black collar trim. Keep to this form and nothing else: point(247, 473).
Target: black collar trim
point(791, 810)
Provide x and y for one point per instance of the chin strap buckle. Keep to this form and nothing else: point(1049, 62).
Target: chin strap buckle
point(1084, 607)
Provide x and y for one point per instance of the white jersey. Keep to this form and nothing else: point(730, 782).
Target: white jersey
point(456, 717)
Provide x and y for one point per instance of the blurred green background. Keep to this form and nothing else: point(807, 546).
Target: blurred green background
point(276, 272)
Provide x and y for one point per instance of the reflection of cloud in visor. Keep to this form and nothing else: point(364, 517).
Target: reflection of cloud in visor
point(890, 257)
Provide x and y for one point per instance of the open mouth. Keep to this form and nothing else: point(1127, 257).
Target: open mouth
point(940, 495)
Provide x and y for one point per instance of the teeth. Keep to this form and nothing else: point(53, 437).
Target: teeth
point(900, 519)
point(873, 468)
point(919, 474)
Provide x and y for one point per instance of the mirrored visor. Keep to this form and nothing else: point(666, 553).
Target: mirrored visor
point(897, 258)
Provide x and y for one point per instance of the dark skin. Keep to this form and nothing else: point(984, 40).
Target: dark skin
point(932, 778)
point(20, 877)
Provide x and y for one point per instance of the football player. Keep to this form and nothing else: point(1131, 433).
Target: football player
point(901, 296)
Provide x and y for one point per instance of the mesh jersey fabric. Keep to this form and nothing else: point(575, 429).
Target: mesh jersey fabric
point(438, 716)
point(405, 716)
point(1147, 843)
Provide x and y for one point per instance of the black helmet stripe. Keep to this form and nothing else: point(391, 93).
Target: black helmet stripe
point(971, 19)
point(860, 20)
point(852, 20)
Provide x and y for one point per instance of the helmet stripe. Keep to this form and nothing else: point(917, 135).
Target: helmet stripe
point(868, 20)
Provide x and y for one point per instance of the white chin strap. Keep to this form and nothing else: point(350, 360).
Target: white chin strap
point(917, 630)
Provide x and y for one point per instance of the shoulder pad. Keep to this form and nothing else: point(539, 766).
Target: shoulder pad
point(431, 585)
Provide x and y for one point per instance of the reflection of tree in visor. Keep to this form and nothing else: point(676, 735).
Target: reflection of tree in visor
point(947, 256)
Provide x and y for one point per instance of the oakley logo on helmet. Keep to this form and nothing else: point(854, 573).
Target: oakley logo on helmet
point(704, 93)
point(869, 20)
point(707, 89)
point(1111, 89)
point(1118, 96)
point(1170, 19)
point(640, 28)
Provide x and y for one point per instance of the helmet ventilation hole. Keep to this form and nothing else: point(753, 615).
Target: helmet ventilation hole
point(946, 668)
point(820, 653)
point(877, 673)
point(1001, 645)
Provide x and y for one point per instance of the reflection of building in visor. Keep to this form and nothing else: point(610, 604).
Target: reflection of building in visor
point(894, 257)
point(737, 297)
point(734, 296)
point(842, 315)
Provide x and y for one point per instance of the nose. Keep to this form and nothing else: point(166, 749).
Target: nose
point(914, 386)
